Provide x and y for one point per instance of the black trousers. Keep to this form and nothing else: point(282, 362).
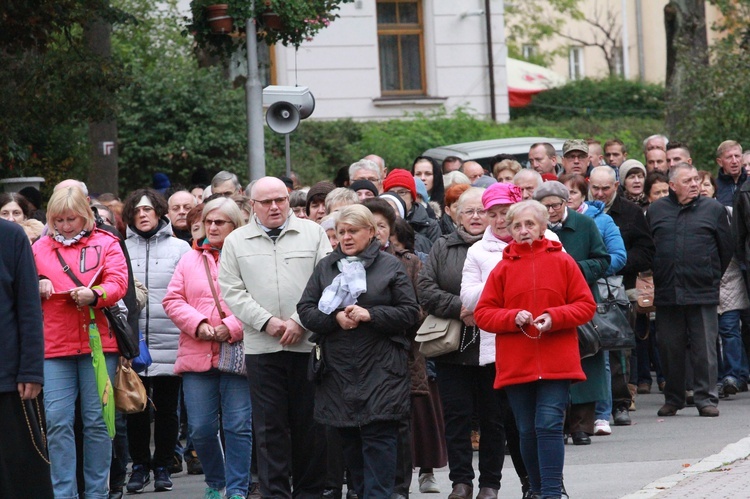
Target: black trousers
point(288, 440)
point(165, 392)
point(458, 385)
point(23, 470)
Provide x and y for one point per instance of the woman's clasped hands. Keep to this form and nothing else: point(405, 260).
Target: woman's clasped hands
point(543, 323)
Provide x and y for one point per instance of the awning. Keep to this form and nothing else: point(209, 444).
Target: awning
point(526, 80)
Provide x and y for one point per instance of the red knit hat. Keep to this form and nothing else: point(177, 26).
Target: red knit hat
point(401, 178)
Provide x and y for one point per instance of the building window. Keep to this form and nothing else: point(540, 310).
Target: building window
point(575, 63)
point(528, 51)
point(400, 43)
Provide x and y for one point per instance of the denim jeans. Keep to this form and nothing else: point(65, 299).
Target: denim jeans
point(205, 395)
point(730, 356)
point(539, 408)
point(370, 455)
point(604, 407)
point(646, 350)
point(66, 378)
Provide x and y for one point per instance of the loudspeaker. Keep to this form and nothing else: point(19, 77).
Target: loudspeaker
point(283, 117)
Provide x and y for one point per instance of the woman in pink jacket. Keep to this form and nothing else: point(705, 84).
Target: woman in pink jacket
point(74, 246)
point(193, 302)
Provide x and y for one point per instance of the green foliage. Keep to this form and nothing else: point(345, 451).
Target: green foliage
point(301, 21)
point(51, 84)
point(608, 98)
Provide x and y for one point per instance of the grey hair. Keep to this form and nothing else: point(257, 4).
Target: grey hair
point(469, 193)
point(606, 170)
point(680, 166)
point(364, 164)
point(657, 136)
point(340, 195)
point(541, 214)
point(455, 177)
point(228, 207)
point(526, 174)
point(224, 176)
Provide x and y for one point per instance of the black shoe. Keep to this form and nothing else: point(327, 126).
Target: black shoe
point(580, 438)
point(350, 494)
point(194, 466)
point(162, 481)
point(730, 386)
point(176, 465)
point(689, 397)
point(115, 493)
point(139, 478)
point(331, 494)
point(742, 386)
point(621, 417)
point(254, 491)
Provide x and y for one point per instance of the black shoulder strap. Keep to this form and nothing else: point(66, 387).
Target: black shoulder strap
point(66, 269)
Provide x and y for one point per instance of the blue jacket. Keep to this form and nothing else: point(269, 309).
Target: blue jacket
point(726, 187)
point(611, 235)
point(21, 328)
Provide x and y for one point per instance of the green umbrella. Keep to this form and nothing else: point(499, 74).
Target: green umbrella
point(103, 383)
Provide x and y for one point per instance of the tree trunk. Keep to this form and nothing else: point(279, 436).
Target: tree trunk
point(687, 46)
point(103, 169)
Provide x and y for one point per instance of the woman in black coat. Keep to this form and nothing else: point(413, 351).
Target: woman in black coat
point(364, 389)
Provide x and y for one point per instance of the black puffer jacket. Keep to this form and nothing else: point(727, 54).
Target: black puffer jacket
point(629, 218)
point(421, 222)
point(439, 290)
point(693, 249)
point(366, 377)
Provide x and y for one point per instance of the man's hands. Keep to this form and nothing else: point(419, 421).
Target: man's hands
point(288, 331)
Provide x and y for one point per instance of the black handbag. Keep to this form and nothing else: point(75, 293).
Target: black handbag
point(615, 332)
point(316, 364)
point(127, 339)
point(589, 342)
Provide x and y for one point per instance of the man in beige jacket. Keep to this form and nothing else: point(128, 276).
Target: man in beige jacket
point(265, 266)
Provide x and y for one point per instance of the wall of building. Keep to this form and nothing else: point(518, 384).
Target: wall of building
point(341, 65)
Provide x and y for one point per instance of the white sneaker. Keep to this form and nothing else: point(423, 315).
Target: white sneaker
point(428, 484)
point(601, 427)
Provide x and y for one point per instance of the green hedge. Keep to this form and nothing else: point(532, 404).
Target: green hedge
point(607, 98)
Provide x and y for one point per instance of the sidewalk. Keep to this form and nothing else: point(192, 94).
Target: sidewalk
point(725, 475)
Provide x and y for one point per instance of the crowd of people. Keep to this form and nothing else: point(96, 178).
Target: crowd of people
point(281, 321)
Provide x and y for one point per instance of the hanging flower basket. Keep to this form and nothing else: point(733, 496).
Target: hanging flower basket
point(272, 20)
point(218, 20)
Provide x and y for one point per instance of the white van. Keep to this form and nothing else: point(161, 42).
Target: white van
point(484, 150)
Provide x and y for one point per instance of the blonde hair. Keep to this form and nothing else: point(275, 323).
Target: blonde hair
point(356, 215)
point(69, 199)
point(506, 164)
point(339, 196)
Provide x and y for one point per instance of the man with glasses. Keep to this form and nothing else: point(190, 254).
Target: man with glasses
point(364, 169)
point(265, 266)
point(575, 158)
point(402, 183)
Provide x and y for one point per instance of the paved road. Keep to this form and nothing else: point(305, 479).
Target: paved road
point(613, 466)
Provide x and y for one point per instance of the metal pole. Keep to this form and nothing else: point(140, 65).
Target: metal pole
point(490, 59)
point(625, 41)
point(256, 156)
point(288, 151)
point(639, 35)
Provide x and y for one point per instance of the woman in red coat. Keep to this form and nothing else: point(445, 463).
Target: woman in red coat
point(534, 300)
point(74, 247)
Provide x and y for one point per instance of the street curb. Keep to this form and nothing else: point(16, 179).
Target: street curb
point(727, 455)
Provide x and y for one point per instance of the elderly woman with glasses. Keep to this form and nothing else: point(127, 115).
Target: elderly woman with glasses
point(582, 240)
point(533, 301)
point(193, 302)
point(465, 377)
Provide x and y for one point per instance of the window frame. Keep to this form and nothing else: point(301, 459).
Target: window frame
point(576, 67)
point(398, 30)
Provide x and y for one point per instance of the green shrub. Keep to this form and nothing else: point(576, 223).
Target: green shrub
point(607, 98)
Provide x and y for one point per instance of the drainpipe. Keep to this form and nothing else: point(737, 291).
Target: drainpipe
point(639, 37)
point(490, 59)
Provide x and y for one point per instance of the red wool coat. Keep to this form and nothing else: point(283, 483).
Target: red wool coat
point(538, 278)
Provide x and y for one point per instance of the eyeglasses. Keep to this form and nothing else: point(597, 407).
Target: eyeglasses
point(402, 192)
point(218, 223)
point(474, 211)
point(371, 179)
point(553, 206)
point(266, 203)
